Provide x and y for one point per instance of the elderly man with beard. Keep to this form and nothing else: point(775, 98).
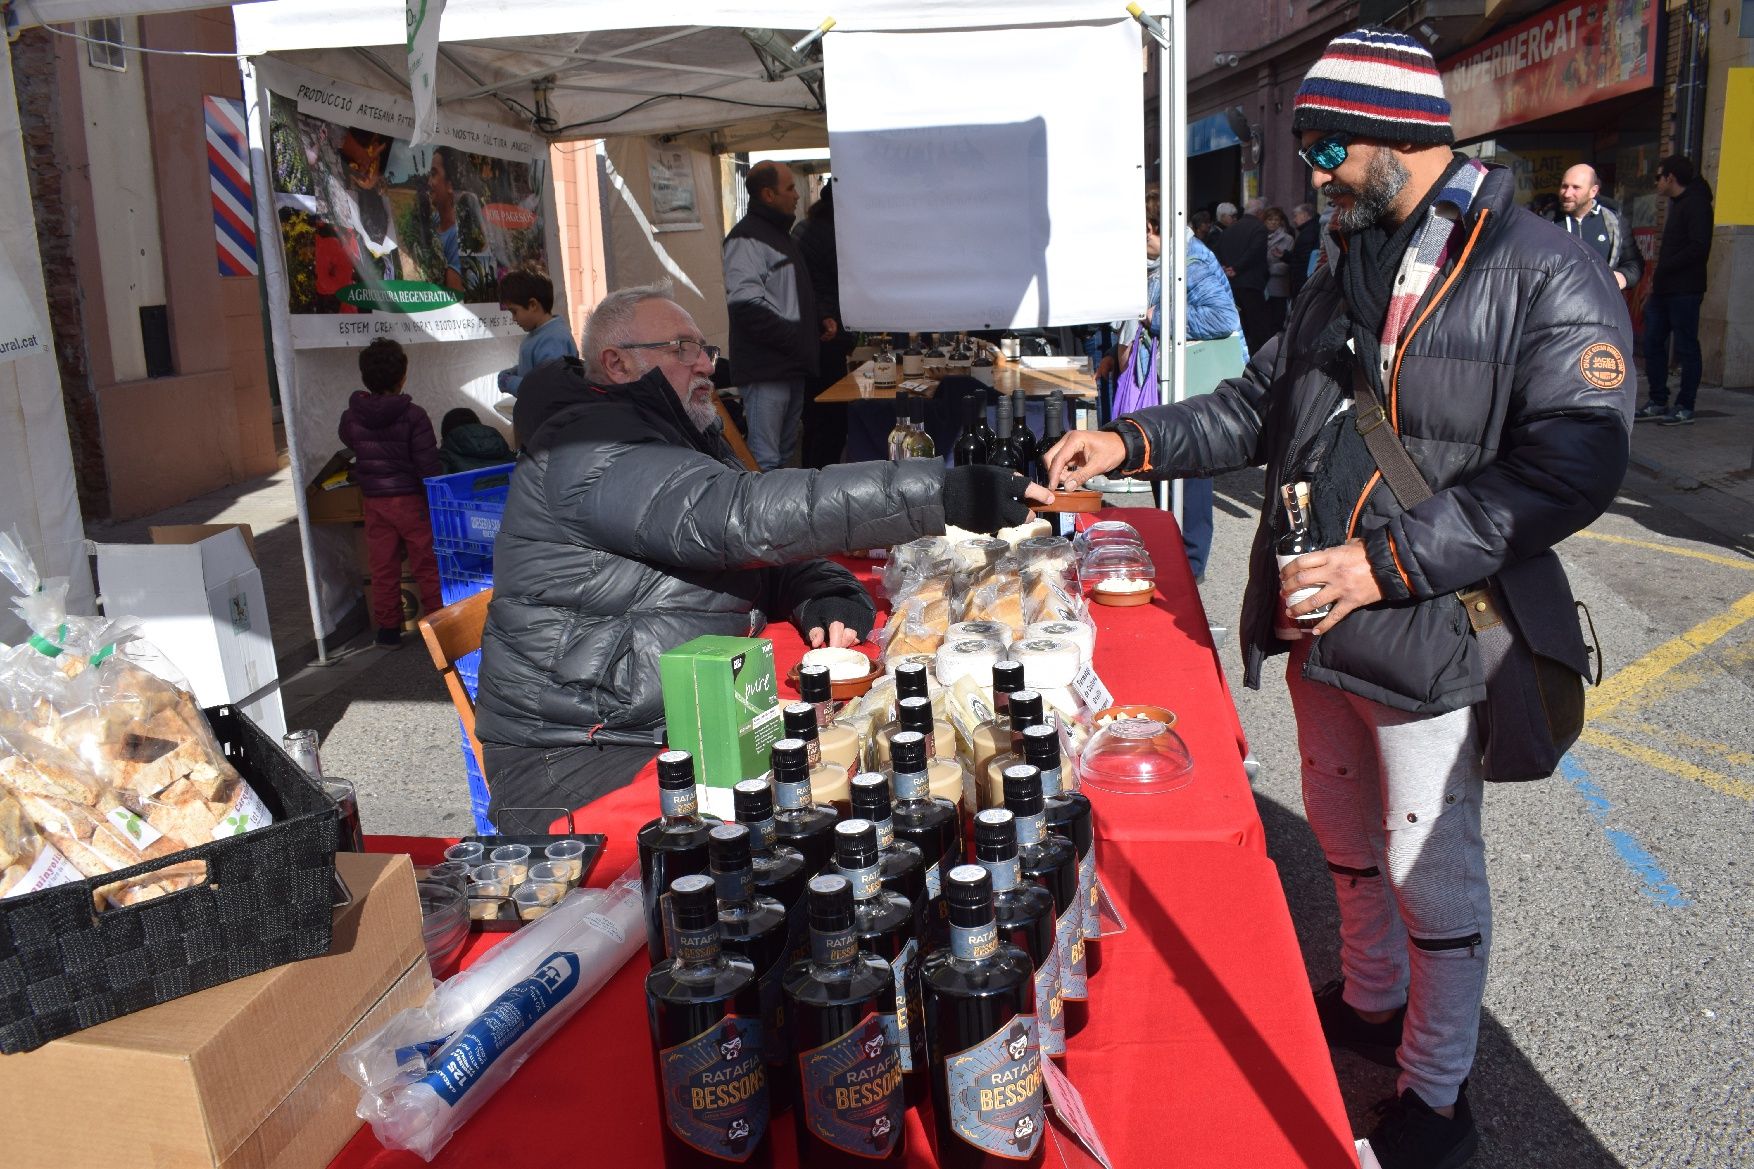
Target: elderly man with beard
point(1494, 351)
point(630, 528)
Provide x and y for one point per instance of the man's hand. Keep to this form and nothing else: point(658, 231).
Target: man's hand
point(1105, 367)
point(1081, 454)
point(830, 330)
point(838, 635)
point(1620, 279)
point(1344, 579)
point(1229, 271)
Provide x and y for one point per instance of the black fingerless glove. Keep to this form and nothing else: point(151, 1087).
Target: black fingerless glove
point(821, 612)
point(984, 499)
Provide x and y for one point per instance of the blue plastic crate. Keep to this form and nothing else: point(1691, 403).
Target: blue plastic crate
point(466, 509)
point(478, 796)
point(462, 574)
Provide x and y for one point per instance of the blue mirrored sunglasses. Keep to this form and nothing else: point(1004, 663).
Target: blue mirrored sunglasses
point(1326, 153)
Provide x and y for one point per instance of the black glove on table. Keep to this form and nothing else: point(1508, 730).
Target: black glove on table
point(821, 612)
point(984, 499)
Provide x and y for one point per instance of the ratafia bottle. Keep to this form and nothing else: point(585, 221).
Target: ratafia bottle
point(1069, 814)
point(828, 779)
point(1025, 710)
point(851, 1107)
point(778, 868)
point(992, 737)
point(674, 845)
point(754, 927)
point(840, 744)
point(928, 822)
point(885, 923)
point(799, 822)
point(1050, 861)
point(904, 868)
point(980, 1017)
point(1026, 920)
point(704, 1009)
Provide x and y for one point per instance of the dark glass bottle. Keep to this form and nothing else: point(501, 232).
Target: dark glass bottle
point(1025, 709)
point(779, 868)
point(988, 436)
point(1297, 539)
point(929, 823)
point(1069, 814)
point(1053, 428)
point(704, 1009)
point(828, 778)
point(999, 452)
point(754, 927)
point(851, 1108)
point(799, 822)
point(904, 867)
point(1026, 920)
point(885, 922)
point(969, 448)
point(1022, 438)
point(1050, 861)
point(987, 1099)
point(673, 845)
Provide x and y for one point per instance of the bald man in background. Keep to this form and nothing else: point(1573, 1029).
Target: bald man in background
point(1598, 223)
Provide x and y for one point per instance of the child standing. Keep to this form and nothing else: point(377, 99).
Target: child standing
point(394, 450)
point(530, 300)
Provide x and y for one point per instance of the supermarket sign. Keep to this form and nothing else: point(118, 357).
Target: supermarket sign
point(1569, 55)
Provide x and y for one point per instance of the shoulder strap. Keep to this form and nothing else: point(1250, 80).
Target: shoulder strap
point(1397, 466)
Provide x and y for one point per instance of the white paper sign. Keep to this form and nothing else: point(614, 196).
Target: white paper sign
point(1091, 689)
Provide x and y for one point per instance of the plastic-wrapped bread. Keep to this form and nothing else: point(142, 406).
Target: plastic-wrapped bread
point(28, 863)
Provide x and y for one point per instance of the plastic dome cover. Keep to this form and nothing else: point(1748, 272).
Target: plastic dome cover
point(1116, 563)
point(1136, 756)
point(1105, 532)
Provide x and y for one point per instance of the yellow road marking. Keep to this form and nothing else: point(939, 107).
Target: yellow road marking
point(1631, 682)
point(1728, 785)
point(1650, 730)
point(1741, 562)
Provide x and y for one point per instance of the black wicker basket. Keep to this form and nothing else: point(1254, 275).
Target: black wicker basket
point(65, 966)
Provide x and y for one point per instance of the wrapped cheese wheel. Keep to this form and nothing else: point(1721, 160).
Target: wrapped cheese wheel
point(1076, 632)
point(1048, 662)
point(968, 658)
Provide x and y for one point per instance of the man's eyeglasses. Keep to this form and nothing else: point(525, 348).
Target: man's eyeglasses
point(686, 350)
point(1326, 153)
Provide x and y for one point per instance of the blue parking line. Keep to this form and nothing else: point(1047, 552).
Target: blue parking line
point(1658, 887)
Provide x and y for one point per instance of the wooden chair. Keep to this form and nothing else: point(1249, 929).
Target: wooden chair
point(734, 436)
point(451, 633)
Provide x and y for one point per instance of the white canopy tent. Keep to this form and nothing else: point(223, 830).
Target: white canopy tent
point(575, 69)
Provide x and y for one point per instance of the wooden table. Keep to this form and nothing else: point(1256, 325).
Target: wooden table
point(1010, 376)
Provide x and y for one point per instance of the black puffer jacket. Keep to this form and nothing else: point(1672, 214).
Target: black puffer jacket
point(1513, 394)
point(628, 532)
point(391, 439)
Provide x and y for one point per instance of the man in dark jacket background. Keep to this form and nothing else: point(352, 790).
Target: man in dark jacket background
point(1242, 249)
point(1308, 240)
point(776, 326)
point(1677, 289)
point(1498, 350)
point(1583, 212)
point(825, 424)
point(630, 528)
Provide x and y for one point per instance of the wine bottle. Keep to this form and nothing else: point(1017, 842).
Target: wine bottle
point(999, 453)
point(969, 448)
point(828, 778)
point(1296, 540)
point(885, 924)
point(917, 444)
point(755, 927)
point(1026, 920)
point(885, 369)
point(903, 865)
point(960, 358)
point(1053, 428)
point(1022, 438)
point(851, 1107)
point(930, 823)
point(704, 1010)
point(897, 440)
point(988, 436)
point(799, 822)
point(913, 362)
point(1069, 813)
point(986, 1055)
point(674, 845)
point(1050, 861)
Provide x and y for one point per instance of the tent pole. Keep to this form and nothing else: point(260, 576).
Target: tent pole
point(1172, 120)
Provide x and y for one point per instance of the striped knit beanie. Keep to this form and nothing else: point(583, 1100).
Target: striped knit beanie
point(1375, 83)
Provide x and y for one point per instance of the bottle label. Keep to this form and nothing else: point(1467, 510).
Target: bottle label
point(813, 751)
point(466, 1058)
point(976, 942)
point(905, 974)
point(715, 1089)
point(1031, 829)
point(995, 1091)
point(1299, 597)
point(761, 834)
point(736, 886)
point(1074, 978)
point(1005, 873)
point(885, 832)
point(676, 803)
point(1050, 782)
point(49, 869)
point(793, 795)
point(835, 948)
point(852, 1090)
point(1087, 893)
point(912, 785)
point(1050, 1004)
point(694, 946)
point(866, 882)
point(935, 880)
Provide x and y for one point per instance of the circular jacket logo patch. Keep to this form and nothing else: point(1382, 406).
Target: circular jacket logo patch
point(1602, 366)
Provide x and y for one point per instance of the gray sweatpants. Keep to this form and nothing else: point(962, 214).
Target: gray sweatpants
point(1397, 796)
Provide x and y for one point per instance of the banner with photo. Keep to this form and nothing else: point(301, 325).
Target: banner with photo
point(386, 239)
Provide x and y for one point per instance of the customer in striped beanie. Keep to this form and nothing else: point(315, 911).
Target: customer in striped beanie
point(1375, 83)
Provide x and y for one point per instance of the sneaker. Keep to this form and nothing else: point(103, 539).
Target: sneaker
point(389, 638)
point(1678, 418)
point(1649, 411)
point(1409, 1135)
point(1342, 1026)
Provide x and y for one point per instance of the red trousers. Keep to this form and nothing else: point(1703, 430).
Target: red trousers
point(394, 523)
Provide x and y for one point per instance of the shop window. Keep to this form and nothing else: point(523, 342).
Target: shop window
point(105, 46)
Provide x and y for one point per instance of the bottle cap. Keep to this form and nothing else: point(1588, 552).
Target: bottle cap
point(910, 681)
point(908, 750)
point(814, 683)
point(790, 760)
point(995, 835)
point(675, 770)
point(870, 798)
point(752, 800)
point(694, 902)
point(855, 844)
point(1025, 709)
point(728, 848)
point(1007, 677)
point(1041, 746)
point(1023, 790)
point(800, 721)
point(831, 903)
point(914, 714)
point(968, 893)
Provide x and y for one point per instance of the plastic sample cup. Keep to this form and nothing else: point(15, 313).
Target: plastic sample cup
point(571, 854)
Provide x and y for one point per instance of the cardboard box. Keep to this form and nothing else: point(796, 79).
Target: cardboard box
point(195, 533)
point(721, 705)
point(242, 1076)
point(203, 606)
point(337, 505)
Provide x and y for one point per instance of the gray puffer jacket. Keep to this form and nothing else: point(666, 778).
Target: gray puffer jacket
point(628, 532)
point(1513, 393)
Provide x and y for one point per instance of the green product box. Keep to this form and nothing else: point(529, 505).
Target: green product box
point(721, 705)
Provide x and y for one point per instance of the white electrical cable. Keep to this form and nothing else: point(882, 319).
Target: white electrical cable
point(126, 48)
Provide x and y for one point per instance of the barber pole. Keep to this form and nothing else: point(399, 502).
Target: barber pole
point(228, 173)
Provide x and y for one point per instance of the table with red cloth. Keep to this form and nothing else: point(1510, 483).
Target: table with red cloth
point(1202, 1049)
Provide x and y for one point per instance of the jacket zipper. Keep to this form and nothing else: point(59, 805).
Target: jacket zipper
point(1442, 945)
